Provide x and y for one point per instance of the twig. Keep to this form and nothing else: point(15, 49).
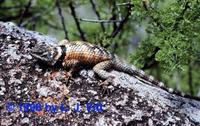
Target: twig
point(99, 21)
point(114, 15)
point(1, 1)
point(31, 19)
point(157, 22)
point(52, 25)
point(125, 4)
point(35, 17)
point(5, 18)
point(62, 18)
point(150, 61)
point(119, 13)
point(180, 17)
point(97, 13)
point(11, 7)
point(24, 12)
point(190, 77)
point(76, 21)
point(119, 28)
point(33, 26)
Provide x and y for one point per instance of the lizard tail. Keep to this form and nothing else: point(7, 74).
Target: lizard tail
point(121, 65)
point(132, 70)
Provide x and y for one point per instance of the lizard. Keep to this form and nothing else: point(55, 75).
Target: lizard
point(75, 53)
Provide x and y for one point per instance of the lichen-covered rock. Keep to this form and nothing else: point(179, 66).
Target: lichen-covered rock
point(36, 94)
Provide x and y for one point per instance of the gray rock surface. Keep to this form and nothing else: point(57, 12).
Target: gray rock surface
point(128, 101)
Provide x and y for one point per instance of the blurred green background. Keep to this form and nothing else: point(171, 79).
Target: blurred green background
point(161, 37)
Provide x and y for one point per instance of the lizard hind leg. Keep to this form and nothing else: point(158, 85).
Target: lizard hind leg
point(100, 70)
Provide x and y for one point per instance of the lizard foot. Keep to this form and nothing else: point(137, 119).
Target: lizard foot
point(105, 84)
point(69, 76)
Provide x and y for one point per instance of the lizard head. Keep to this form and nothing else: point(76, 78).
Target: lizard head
point(47, 54)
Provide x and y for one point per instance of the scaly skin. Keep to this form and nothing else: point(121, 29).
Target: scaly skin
point(77, 53)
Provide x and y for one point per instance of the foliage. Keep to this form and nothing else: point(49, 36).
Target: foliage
point(173, 28)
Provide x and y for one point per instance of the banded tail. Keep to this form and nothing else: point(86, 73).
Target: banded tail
point(132, 70)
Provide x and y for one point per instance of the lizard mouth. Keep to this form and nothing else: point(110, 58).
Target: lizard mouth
point(38, 57)
point(48, 61)
point(44, 54)
point(38, 52)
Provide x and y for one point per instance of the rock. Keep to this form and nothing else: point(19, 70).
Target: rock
point(45, 95)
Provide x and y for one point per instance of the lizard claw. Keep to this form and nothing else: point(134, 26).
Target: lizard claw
point(69, 76)
point(105, 84)
point(108, 81)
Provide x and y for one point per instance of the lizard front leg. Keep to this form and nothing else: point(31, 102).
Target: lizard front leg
point(72, 64)
point(100, 70)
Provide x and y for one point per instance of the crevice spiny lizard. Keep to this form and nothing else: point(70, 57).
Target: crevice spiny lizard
point(75, 53)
